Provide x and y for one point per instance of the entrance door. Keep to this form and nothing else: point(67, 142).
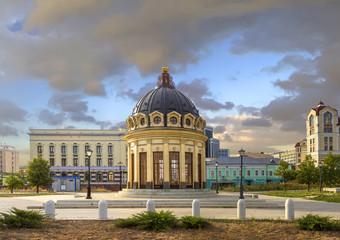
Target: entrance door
point(174, 169)
point(143, 171)
point(158, 176)
point(188, 169)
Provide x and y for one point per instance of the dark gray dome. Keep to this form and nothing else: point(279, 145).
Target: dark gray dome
point(165, 98)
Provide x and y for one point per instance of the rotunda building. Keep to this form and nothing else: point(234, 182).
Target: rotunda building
point(166, 141)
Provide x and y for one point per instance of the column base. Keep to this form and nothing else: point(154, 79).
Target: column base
point(204, 184)
point(135, 185)
point(196, 185)
point(183, 185)
point(148, 185)
point(166, 185)
point(128, 185)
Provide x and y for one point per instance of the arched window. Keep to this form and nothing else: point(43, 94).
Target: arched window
point(64, 174)
point(75, 174)
point(327, 118)
point(311, 120)
point(110, 176)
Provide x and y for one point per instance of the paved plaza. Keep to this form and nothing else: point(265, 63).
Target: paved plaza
point(302, 207)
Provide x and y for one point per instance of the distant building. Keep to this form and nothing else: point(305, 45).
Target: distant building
point(65, 149)
point(257, 155)
point(300, 152)
point(212, 145)
point(289, 156)
point(223, 153)
point(256, 171)
point(9, 159)
point(323, 132)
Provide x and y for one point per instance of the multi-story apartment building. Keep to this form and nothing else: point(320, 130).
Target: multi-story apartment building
point(289, 156)
point(323, 128)
point(65, 149)
point(9, 159)
point(300, 152)
point(212, 145)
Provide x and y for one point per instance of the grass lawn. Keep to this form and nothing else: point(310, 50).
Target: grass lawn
point(222, 229)
point(327, 197)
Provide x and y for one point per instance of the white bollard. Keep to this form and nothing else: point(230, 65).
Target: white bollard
point(289, 209)
point(241, 208)
point(50, 209)
point(196, 208)
point(150, 205)
point(102, 209)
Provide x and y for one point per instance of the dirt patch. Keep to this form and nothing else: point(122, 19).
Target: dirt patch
point(219, 230)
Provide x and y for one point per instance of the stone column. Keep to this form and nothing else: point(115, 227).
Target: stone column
point(149, 163)
point(136, 166)
point(129, 167)
point(182, 164)
point(166, 164)
point(195, 166)
point(204, 170)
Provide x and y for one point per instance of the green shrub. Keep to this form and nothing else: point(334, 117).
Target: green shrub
point(17, 218)
point(163, 220)
point(194, 222)
point(315, 222)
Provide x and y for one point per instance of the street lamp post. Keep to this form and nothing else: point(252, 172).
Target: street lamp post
point(241, 152)
point(216, 164)
point(320, 165)
point(89, 153)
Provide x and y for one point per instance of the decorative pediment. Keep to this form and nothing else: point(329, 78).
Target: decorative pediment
point(189, 121)
point(142, 120)
point(156, 119)
point(173, 119)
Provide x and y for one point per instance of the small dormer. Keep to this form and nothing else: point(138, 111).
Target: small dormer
point(174, 119)
point(189, 121)
point(156, 119)
point(142, 120)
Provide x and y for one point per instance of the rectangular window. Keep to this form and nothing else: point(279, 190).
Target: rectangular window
point(262, 172)
point(51, 149)
point(227, 173)
point(188, 169)
point(158, 166)
point(39, 149)
point(52, 162)
point(75, 149)
point(234, 173)
point(99, 162)
point(325, 144)
point(330, 143)
point(256, 173)
point(212, 173)
point(99, 149)
point(110, 162)
point(327, 129)
point(86, 162)
point(219, 173)
point(271, 173)
point(248, 173)
point(75, 162)
point(174, 169)
point(110, 149)
point(87, 148)
point(63, 162)
point(63, 149)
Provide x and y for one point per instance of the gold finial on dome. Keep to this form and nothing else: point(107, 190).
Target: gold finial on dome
point(165, 69)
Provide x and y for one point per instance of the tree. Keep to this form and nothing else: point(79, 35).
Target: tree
point(307, 173)
point(14, 181)
point(38, 173)
point(284, 172)
point(331, 170)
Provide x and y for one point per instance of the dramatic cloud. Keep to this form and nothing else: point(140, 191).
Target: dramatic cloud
point(136, 96)
point(219, 129)
point(9, 112)
point(51, 118)
point(256, 122)
point(198, 92)
point(6, 130)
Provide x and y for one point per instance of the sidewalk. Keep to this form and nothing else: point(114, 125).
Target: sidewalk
point(302, 207)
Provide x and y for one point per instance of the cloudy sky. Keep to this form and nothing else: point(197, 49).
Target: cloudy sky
point(253, 68)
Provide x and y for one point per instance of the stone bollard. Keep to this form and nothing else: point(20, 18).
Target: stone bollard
point(150, 205)
point(241, 208)
point(50, 209)
point(196, 208)
point(289, 209)
point(102, 209)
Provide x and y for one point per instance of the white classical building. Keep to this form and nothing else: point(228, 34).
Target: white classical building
point(65, 149)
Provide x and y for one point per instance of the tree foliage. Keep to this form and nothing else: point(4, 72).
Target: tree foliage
point(14, 181)
point(284, 172)
point(331, 170)
point(307, 173)
point(38, 173)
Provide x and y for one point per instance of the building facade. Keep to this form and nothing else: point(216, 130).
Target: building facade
point(323, 128)
point(65, 149)
point(223, 153)
point(300, 152)
point(289, 156)
point(9, 159)
point(166, 141)
point(212, 145)
point(255, 171)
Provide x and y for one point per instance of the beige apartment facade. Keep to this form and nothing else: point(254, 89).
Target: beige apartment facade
point(323, 128)
point(9, 159)
point(65, 149)
point(300, 152)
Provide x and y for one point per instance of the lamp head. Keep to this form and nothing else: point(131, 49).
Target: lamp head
point(89, 152)
point(242, 152)
point(216, 164)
